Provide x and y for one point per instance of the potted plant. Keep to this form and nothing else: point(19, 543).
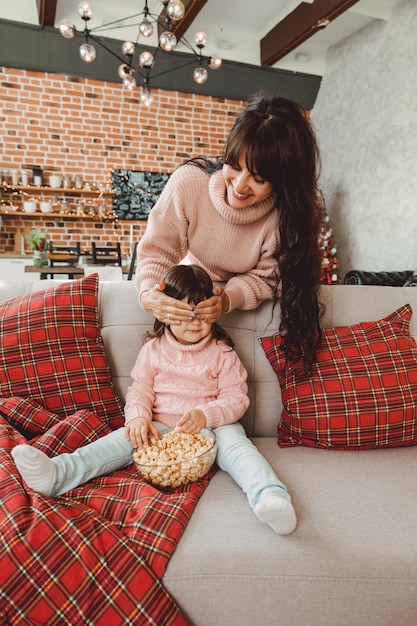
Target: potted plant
point(37, 241)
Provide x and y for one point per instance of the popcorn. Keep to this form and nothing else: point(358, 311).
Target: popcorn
point(175, 459)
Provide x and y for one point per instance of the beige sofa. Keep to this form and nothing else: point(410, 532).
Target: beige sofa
point(352, 560)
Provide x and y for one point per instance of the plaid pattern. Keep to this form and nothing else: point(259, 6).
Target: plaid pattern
point(52, 351)
point(362, 391)
point(94, 556)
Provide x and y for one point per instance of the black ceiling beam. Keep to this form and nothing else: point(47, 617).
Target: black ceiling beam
point(301, 24)
point(43, 49)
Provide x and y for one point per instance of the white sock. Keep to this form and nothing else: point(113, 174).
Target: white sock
point(278, 513)
point(37, 469)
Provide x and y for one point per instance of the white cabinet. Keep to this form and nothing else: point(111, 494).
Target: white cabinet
point(13, 268)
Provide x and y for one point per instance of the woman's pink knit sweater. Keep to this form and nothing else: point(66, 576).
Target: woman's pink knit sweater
point(192, 219)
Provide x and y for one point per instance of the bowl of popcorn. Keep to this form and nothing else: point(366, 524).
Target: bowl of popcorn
point(176, 458)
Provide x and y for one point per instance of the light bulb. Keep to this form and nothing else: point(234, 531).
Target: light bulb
point(128, 49)
point(175, 10)
point(167, 41)
point(146, 98)
point(215, 62)
point(200, 75)
point(87, 52)
point(146, 28)
point(85, 11)
point(129, 82)
point(67, 29)
point(146, 59)
point(123, 71)
point(200, 39)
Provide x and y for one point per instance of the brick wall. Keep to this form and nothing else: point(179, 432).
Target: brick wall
point(82, 127)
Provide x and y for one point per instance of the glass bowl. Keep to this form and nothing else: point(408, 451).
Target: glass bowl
point(177, 458)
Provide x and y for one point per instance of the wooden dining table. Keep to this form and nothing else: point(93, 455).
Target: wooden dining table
point(69, 268)
point(73, 271)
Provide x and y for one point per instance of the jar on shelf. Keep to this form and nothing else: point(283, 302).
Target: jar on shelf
point(37, 176)
point(25, 177)
point(15, 177)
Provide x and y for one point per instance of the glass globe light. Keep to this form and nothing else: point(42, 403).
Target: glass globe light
point(67, 29)
point(85, 11)
point(215, 62)
point(87, 52)
point(146, 59)
point(123, 71)
point(128, 49)
point(146, 98)
point(167, 41)
point(129, 82)
point(146, 28)
point(175, 10)
point(200, 39)
point(200, 75)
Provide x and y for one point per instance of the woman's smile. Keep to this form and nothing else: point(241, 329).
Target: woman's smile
point(243, 187)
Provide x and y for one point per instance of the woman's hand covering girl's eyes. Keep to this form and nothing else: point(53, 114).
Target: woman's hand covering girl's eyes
point(163, 307)
point(212, 309)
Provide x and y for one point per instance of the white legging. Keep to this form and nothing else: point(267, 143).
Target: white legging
point(236, 455)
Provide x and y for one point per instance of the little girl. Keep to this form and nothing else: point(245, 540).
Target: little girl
point(186, 376)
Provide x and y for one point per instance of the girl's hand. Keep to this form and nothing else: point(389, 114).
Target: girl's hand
point(166, 309)
point(212, 309)
point(192, 422)
point(137, 431)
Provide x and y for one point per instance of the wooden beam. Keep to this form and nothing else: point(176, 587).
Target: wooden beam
point(192, 9)
point(298, 26)
point(46, 12)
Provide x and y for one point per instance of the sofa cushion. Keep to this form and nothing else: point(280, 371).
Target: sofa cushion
point(52, 351)
point(361, 392)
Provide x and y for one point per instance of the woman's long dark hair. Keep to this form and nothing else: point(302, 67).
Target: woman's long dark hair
point(193, 283)
point(281, 147)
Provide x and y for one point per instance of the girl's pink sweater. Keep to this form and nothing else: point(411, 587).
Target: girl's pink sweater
point(192, 218)
point(170, 379)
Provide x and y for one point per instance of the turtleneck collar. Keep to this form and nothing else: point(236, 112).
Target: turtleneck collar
point(173, 346)
point(246, 215)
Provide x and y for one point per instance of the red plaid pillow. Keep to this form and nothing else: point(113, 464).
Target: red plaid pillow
point(361, 393)
point(52, 351)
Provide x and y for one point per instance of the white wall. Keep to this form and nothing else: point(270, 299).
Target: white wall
point(365, 117)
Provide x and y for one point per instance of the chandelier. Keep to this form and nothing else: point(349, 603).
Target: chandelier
point(144, 65)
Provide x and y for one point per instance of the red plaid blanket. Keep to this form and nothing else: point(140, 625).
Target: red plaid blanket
point(94, 556)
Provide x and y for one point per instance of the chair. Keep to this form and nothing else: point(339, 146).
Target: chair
point(106, 255)
point(133, 262)
point(63, 256)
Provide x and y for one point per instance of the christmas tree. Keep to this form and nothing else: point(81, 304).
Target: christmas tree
point(328, 247)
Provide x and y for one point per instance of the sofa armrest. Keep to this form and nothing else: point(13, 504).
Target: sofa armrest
point(389, 279)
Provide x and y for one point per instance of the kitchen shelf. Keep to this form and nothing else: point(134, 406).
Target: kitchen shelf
point(59, 190)
point(32, 190)
point(53, 215)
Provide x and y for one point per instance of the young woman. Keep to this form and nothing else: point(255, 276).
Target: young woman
point(186, 376)
point(250, 218)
